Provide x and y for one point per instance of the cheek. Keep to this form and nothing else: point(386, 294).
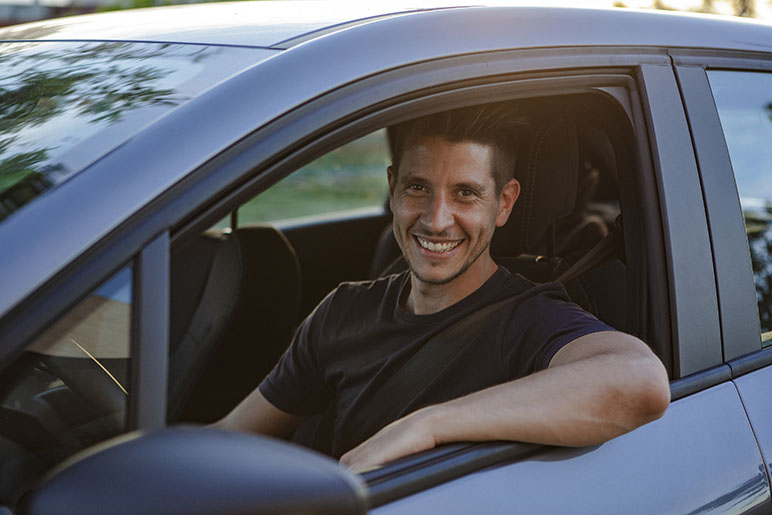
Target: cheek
point(478, 221)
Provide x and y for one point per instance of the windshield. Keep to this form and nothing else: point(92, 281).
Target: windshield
point(65, 104)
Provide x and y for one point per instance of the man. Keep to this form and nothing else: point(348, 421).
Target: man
point(541, 370)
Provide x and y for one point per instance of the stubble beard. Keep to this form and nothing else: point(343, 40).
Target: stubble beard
point(438, 282)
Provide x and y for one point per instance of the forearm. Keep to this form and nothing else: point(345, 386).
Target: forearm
point(556, 406)
point(597, 387)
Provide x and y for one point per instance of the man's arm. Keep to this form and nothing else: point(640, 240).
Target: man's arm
point(597, 387)
point(256, 414)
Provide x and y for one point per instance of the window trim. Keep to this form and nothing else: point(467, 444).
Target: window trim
point(150, 336)
point(740, 328)
point(693, 304)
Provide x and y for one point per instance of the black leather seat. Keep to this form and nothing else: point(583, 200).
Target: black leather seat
point(242, 321)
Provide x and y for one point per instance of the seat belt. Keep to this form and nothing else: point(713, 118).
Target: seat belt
point(602, 251)
point(419, 371)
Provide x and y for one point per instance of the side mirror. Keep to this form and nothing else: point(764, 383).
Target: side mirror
point(186, 470)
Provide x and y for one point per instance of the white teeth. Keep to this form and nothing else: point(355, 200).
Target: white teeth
point(438, 247)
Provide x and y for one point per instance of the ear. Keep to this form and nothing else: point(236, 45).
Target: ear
point(507, 199)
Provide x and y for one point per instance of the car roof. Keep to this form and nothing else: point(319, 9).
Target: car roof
point(283, 24)
point(255, 24)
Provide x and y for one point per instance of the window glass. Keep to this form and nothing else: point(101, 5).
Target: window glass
point(348, 178)
point(68, 390)
point(744, 101)
point(64, 104)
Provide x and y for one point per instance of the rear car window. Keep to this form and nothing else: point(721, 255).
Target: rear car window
point(65, 104)
point(744, 101)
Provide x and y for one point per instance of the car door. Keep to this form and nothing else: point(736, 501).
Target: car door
point(735, 125)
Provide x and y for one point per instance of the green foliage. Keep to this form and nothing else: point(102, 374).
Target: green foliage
point(350, 177)
point(84, 84)
point(15, 168)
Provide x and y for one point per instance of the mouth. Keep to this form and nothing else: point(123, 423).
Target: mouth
point(437, 247)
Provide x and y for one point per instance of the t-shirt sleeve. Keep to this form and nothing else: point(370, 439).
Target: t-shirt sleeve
point(542, 323)
point(296, 384)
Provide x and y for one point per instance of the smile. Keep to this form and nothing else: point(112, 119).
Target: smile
point(438, 247)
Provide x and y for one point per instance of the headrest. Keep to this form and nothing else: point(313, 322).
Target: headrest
point(548, 182)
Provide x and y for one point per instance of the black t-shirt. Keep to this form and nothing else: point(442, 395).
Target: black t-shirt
point(359, 336)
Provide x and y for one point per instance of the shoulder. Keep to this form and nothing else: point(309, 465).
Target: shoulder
point(547, 305)
point(525, 291)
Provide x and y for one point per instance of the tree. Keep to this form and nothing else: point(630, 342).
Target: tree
point(745, 8)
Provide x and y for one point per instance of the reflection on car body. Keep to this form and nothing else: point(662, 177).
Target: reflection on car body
point(139, 175)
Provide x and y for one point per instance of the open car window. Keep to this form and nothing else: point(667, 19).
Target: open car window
point(285, 253)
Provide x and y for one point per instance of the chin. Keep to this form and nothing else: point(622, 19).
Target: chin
point(435, 277)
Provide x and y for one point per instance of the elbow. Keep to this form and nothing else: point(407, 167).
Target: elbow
point(651, 391)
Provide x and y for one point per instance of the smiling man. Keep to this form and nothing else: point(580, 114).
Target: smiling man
point(539, 369)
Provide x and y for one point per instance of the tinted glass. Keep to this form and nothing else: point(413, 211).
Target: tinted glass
point(68, 390)
point(744, 101)
point(350, 177)
point(63, 105)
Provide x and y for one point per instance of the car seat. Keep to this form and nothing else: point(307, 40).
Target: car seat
point(242, 321)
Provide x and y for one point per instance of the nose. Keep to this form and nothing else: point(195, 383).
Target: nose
point(438, 216)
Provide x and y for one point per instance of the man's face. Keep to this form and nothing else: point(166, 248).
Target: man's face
point(446, 207)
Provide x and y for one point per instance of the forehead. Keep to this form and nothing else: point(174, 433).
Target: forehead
point(437, 157)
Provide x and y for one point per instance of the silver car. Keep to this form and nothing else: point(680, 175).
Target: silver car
point(180, 186)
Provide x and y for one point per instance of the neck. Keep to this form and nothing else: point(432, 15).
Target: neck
point(426, 298)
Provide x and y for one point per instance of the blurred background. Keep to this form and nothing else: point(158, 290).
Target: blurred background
point(21, 11)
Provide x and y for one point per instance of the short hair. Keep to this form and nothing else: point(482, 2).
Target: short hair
point(497, 125)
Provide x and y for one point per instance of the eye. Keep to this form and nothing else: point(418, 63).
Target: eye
point(466, 192)
point(415, 187)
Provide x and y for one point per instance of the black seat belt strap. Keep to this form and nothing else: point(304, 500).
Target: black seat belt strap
point(420, 371)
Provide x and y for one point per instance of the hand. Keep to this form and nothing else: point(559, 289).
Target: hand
point(408, 435)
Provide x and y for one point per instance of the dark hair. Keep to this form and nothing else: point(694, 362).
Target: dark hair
point(496, 125)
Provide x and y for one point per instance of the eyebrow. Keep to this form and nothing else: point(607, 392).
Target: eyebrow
point(414, 177)
point(472, 186)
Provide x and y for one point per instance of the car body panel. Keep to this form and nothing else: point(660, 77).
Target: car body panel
point(754, 390)
point(268, 24)
point(254, 24)
point(675, 473)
